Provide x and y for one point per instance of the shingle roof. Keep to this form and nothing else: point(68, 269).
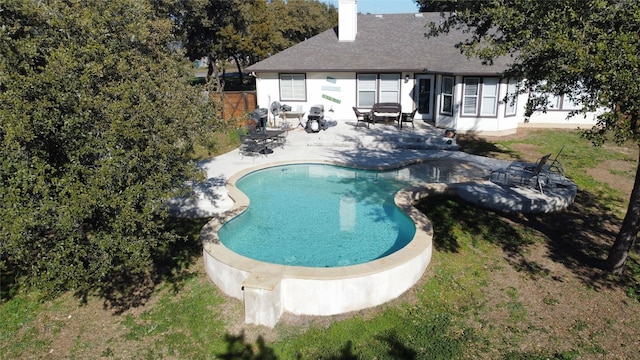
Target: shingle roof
point(390, 42)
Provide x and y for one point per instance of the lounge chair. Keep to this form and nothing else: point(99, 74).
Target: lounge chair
point(554, 168)
point(362, 117)
point(518, 175)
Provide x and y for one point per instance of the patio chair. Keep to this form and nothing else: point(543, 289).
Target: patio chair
point(408, 117)
point(517, 175)
point(248, 146)
point(362, 117)
point(281, 139)
point(554, 168)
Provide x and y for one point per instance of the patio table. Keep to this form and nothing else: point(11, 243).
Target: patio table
point(293, 115)
point(266, 136)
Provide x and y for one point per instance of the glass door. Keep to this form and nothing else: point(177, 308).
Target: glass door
point(424, 96)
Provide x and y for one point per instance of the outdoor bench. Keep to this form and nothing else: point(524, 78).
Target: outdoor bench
point(386, 112)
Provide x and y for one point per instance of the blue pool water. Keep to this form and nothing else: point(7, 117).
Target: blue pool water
point(317, 215)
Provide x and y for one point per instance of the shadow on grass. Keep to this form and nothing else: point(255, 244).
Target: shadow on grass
point(578, 238)
point(474, 144)
point(238, 348)
point(171, 264)
point(419, 333)
point(454, 218)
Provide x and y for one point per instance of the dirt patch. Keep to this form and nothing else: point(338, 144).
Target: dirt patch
point(615, 173)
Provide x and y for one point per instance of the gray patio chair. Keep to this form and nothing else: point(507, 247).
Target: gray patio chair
point(518, 175)
point(362, 117)
point(554, 168)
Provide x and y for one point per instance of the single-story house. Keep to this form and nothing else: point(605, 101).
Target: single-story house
point(372, 58)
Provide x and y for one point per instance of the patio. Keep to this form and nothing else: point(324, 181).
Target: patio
point(377, 147)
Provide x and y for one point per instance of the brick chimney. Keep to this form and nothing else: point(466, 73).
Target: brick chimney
point(347, 20)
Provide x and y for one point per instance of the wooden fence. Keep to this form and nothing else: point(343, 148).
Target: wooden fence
point(237, 103)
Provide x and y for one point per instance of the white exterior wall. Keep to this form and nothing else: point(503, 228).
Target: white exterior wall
point(337, 92)
point(559, 118)
point(406, 93)
point(338, 86)
point(338, 89)
point(499, 124)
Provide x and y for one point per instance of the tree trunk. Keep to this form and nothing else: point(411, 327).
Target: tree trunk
point(628, 234)
point(213, 80)
point(237, 59)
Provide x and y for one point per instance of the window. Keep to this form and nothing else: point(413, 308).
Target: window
point(511, 98)
point(292, 87)
point(470, 100)
point(489, 104)
point(367, 88)
point(566, 102)
point(571, 104)
point(390, 88)
point(374, 88)
point(447, 95)
point(563, 102)
point(480, 96)
point(553, 102)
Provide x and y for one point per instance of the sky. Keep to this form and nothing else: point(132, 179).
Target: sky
point(383, 6)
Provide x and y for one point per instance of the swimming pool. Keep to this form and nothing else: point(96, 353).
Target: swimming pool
point(319, 215)
point(268, 289)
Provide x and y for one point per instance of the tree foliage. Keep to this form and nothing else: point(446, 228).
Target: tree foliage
point(437, 5)
point(586, 49)
point(98, 125)
point(299, 20)
point(247, 31)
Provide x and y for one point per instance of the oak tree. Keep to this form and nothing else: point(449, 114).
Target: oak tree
point(98, 121)
point(246, 31)
point(588, 50)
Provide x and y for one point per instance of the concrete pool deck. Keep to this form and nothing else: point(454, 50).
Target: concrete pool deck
point(270, 290)
point(379, 147)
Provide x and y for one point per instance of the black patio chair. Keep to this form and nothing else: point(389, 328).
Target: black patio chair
point(248, 146)
point(408, 117)
point(362, 117)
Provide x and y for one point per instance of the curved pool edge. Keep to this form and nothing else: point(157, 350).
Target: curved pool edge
point(269, 290)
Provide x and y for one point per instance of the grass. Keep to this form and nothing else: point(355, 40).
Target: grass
point(18, 332)
point(475, 301)
point(433, 326)
point(184, 324)
point(221, 142)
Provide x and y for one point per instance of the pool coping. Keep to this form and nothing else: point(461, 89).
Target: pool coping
point(269, 290)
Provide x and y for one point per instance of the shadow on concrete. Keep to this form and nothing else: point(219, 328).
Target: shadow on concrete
point(201, 202)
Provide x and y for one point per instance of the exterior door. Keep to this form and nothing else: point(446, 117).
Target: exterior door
point(423, 96)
